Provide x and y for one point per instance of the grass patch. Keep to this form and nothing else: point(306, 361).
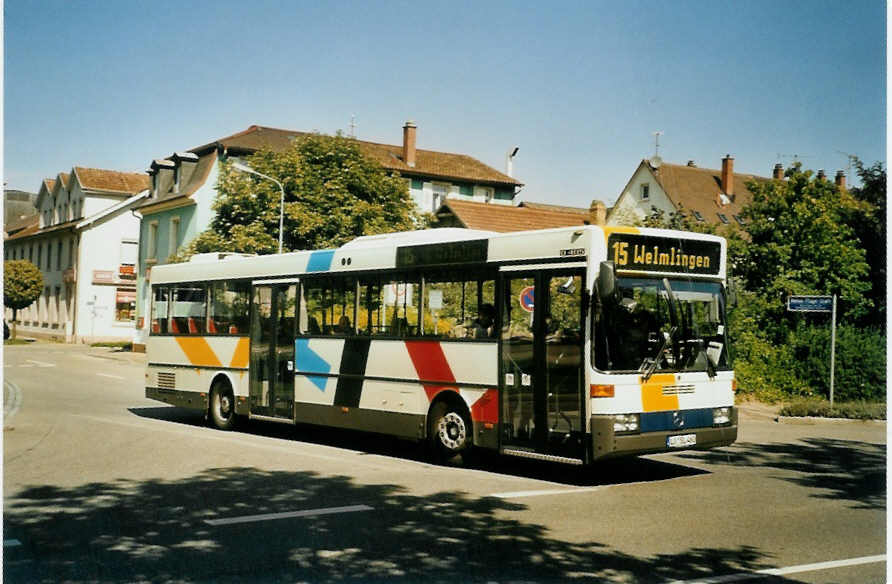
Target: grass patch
point(120, 345)
point(820, 408)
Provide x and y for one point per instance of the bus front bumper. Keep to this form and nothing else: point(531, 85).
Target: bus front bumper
point(607, 444)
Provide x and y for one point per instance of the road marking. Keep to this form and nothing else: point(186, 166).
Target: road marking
point(288, 515)
point(784, 571)
point(11, 543)
point(109, 375)
point(540, 493)
point(41, 363)
point(12, 402)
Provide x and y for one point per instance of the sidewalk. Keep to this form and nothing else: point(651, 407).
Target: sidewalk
point(118, 355)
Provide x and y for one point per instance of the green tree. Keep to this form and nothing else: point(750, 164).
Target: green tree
point(800, 242)
point(22, 284)
point(869, 225)
point(333, 193)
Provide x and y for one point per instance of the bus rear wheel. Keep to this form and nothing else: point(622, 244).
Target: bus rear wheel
point(450, 431)
point(222, 406)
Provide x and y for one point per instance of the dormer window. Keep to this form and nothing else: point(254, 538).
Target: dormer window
point(723, 218)
point(698, 216)
point(739, 219)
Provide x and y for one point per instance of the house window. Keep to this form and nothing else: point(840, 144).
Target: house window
point(723, 218)
point(39, 255)
point(70, 253)
point(173, 236)
point(484, 194)
point(59, 255)
point(153, 240)
point(439, 196)
point(698, 216)
point(125, 304)
point(645, 191)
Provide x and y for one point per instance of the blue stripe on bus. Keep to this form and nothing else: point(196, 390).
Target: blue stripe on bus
point(306, 359)
point(676, 420)
point(320, 261)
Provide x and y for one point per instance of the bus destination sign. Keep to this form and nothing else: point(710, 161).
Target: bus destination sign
point(434, 254)
point(646, 253)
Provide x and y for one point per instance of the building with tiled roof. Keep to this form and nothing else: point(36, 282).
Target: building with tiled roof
point(183, 187)
point(708, 195)
point(84, 240)
point(523, 217)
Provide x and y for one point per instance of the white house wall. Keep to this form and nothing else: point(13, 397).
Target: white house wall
point(100, 250)
point(630, 203)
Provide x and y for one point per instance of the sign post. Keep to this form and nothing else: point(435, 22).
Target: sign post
point(819, 304)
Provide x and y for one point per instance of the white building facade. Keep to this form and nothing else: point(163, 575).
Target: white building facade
point(85, 245)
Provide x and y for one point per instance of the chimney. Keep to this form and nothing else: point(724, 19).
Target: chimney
point(728, 175)
point(409, 143)
point(778, 173)
point(841, 180)
point(692, 164)
point(821, 175)
point(597, 213)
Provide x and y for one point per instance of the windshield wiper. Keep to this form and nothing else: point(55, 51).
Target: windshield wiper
point(652, 366)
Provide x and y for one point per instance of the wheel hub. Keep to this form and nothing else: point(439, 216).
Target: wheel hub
point(452, 431)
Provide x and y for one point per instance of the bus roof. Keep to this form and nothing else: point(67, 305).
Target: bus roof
point(409, 249)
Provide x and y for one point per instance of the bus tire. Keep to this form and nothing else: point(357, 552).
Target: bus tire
point(222, 406)
point(451, 432)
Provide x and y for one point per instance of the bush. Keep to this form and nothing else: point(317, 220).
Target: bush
point(857, 410)
point(860, 361)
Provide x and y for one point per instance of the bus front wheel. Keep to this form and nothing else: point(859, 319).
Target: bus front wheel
point(222, 406)
point(450, 431)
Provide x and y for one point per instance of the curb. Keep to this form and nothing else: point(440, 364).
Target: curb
point(815, 420)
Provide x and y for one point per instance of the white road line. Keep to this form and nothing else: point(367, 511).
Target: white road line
point(540, 493)
point(41, 363)
point(11, 543)
point(288, 515)
point(784, 571)
point(110, 375)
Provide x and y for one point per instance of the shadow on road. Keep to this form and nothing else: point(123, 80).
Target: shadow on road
point(840, 469)
point(630, 470)
point(156, 530)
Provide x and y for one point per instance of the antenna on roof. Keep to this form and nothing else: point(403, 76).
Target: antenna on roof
point(851, 160)
point(352, 125)
point(655, 160)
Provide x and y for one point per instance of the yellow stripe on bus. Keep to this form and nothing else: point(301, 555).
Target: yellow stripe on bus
point(198, 351)
point(241, 354)
point(652, 398)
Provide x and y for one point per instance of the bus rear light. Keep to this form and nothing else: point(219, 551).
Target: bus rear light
point(602, 390)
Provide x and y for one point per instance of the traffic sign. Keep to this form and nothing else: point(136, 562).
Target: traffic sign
point(527, 297)
point(810, 304)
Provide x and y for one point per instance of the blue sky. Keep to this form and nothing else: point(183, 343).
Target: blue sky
point(580, 87)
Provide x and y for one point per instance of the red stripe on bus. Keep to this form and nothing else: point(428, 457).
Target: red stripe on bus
point(486, 409)
point(430, 363)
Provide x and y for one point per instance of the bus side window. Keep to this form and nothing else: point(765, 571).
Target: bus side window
point(315, 302)
point(368, 316)
point(159, 310)
point(187, 313)
point(229, 308)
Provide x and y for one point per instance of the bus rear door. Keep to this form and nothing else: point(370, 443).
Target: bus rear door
point(541, 374)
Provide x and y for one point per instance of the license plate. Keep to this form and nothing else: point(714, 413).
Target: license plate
point(681, 441)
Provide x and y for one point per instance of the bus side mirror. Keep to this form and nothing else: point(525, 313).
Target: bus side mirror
point(607, 282)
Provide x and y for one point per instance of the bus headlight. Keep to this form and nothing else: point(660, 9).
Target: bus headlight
point(721, 416)
point(625, 423)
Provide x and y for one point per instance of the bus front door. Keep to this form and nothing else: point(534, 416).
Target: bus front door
point(272, 350)
point(542, 403)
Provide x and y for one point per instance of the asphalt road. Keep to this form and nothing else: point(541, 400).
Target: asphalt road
point(102, 485)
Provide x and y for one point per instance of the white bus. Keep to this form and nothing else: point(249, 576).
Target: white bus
point(569, 345)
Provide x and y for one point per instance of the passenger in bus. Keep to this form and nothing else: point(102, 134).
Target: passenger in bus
point(313, 326)
point(343, 327)
point(482, 327)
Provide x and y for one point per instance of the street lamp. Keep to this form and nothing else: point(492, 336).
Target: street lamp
point(244, 168)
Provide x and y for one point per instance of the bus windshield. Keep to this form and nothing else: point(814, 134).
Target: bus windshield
point(667, 325)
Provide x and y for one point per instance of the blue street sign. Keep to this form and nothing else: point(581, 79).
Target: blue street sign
point(810, 304)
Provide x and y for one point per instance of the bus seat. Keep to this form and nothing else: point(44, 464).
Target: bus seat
point(174, 327)
point(233, 330)
point(212, 326)
point(156, 326)
point(193, 327)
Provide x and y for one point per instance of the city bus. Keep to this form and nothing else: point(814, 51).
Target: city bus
point(569, 345)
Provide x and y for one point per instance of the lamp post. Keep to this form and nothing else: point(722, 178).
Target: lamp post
point(244, 168)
